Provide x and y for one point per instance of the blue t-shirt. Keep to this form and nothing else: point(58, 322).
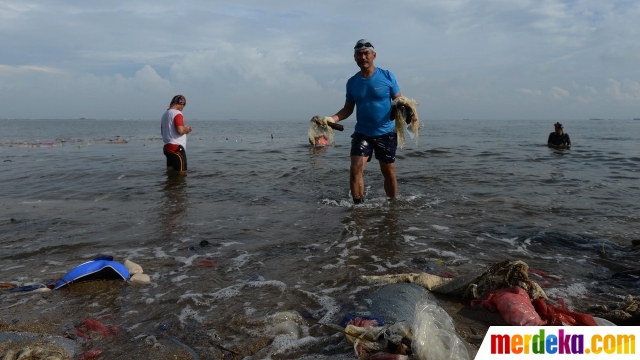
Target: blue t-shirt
point(372, 97)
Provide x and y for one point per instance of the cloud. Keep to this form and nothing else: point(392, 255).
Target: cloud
point(530, 92)
point(559, 93)
point(26, 68)
point(625, 91)
point(285, 60)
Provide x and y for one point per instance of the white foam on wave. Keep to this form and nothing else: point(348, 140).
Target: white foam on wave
point(400, 264)
point(575, 291)
point(239, 261)
point(248, 310)
point(229, 243)
point(413, 228)
point(333, 266)
point(53, 262)
point(510, 241)
point(409, 239)
point(187, 261)
point(134, 326)
point(180, 278)
point(379, 268)
point(235, 290)
point(158, 253)
point(189, 313)
point(284, 343)
point(443, 253)
point(13, 267)
point(353, 238)
point(342, 203)
point(440, 227)
point(275, 283)
point(329, 307)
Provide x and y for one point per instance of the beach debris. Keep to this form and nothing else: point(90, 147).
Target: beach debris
point(561, 316)
point(627, 312)
point(503, 274)
point(100, 268)
point(405, 116)
point(7, 285)
point(91, 354)
point(513, 304)
point(434, 335)
point(206, 263)
point(32, 346)
point(322, 126)
point(184, 346)
point(121, 177)
point(89, 325)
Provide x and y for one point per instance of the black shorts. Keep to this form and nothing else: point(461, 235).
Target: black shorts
point(176, 159)
point(384, 146)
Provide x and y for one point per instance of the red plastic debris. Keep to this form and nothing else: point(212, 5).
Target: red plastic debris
point(82, 333)
point(88, 325)
point(538, 272)
point(360, 322)
point(91, 354)
point(559, 316)
point(513, 304)
point(205, 263)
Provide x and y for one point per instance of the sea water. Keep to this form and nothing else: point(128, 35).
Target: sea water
point(274, 221)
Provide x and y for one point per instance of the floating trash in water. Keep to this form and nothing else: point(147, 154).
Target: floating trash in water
point(206, 263)
point(102, 198)
point(121, 176)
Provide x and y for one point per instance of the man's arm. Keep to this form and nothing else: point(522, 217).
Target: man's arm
point(396, 96)
point(345, 112)
point(182, 130)
point(568, 141)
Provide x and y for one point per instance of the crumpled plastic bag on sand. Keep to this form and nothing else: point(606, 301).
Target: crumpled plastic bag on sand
point(434, 336)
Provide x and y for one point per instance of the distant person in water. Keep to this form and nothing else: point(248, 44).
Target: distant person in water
point(174, 135)
point(558, 138)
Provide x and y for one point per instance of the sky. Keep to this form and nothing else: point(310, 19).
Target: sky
point(290, 60)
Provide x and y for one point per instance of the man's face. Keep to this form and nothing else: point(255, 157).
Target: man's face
point(364, 58)
point(558, 130)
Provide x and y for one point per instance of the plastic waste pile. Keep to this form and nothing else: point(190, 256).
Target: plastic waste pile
point(504, 287)
point(407, 324)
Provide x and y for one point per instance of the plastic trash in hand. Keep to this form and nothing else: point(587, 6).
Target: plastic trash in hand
point(434, 336)
point(412, 135)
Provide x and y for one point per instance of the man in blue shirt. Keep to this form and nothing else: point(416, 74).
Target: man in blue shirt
point(371, 90)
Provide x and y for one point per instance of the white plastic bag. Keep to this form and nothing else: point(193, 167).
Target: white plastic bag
point(434, 336)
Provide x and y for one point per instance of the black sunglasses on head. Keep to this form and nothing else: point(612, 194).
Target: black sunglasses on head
point(360, 45)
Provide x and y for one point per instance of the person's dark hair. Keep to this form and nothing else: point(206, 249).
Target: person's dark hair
point(178, 100)
point(558, 125)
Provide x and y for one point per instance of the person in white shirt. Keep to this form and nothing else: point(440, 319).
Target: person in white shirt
point(174, 135)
